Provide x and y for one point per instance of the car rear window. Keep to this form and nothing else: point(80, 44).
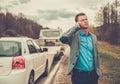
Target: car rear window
point(51, 33)
point(9, 48)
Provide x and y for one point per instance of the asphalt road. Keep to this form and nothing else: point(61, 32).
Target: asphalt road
point(52, 50)
point(53, 65)
point(52, 72)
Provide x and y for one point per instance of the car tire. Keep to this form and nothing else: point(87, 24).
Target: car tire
point(46, 70)
point(31, 78)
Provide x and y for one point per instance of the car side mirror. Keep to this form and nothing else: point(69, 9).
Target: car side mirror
point(45, 49)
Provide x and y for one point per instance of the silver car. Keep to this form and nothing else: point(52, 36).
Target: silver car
point(21, 60)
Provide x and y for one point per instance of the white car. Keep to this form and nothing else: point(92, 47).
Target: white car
point(21, 60)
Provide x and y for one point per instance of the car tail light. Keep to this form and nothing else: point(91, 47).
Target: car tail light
point(18, 62)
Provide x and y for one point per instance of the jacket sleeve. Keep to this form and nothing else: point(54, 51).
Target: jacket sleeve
point(65, 38)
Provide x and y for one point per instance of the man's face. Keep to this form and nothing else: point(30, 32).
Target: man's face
point(83, 22)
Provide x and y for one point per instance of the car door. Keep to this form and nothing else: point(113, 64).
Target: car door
point(36, 57)
point(41, 56)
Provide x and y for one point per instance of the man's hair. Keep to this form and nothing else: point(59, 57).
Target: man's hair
point(79, 14)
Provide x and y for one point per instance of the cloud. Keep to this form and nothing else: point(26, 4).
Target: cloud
point(55, 14)
point(63, 18)
point(14, 2)
point(63, 23)
point(24, 1)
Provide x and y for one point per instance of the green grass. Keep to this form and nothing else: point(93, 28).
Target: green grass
point(111, 62)
point(110, 51)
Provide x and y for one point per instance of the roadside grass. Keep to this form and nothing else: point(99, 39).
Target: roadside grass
point(110, 66)
point(110, 63)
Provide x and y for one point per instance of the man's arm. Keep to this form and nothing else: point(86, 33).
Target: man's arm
point(65, 38)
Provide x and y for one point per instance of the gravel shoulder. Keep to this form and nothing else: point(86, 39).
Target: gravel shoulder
point(109, 67)
point(62, 78)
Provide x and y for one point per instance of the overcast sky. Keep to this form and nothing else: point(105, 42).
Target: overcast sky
point(54, 13)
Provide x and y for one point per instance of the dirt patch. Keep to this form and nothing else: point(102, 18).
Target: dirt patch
point(109, 45)
point(109, 66)
point(61, 76)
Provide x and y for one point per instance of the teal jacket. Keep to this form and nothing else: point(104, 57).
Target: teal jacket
point(72, 38)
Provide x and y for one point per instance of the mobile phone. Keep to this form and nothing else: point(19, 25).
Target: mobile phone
point(78, 25)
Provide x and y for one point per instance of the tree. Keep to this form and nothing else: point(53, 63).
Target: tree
point(110, 23)
point(18, 25)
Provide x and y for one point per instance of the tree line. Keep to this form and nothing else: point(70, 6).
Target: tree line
point(108, 19)
point(18, 25)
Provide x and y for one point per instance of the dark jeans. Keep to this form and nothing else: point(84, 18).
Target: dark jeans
point(81, 77)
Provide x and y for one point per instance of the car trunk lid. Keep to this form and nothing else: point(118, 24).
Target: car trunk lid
point(5, 65)
point(8, 50)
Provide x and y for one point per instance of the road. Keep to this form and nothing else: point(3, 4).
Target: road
point(49, 78)
point(52, 50)
point(53, 66)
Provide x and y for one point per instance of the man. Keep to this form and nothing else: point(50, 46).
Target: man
point(83, 62)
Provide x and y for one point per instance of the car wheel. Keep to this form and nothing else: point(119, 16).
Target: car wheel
point(31, 78)
point(46, 70)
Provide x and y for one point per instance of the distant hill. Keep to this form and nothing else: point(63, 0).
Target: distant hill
point(18, 25)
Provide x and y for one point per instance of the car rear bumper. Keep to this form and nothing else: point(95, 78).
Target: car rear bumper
point(16, 77)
